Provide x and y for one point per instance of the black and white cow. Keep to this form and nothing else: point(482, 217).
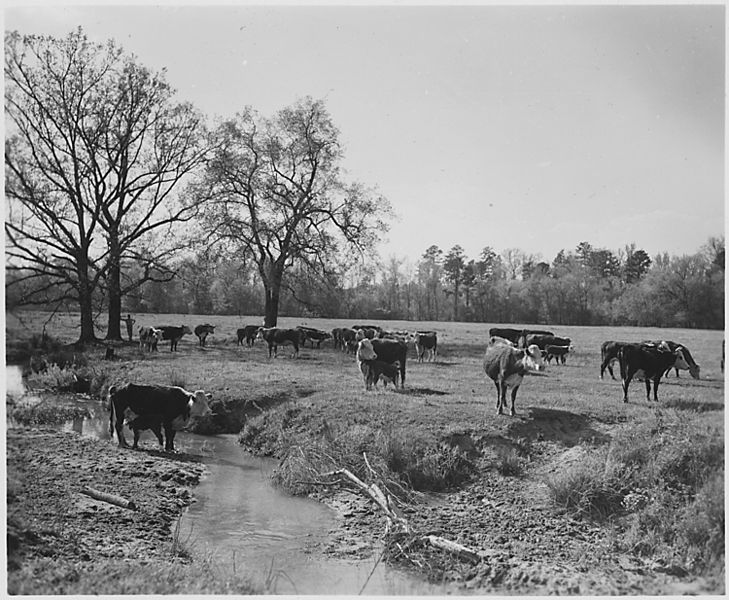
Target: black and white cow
point(372, 368)
point(174, 334)
point(506, 366)
point(649, 360)
point(276, 336)
point(143, 406)
point(426, 341)
point(202, 332)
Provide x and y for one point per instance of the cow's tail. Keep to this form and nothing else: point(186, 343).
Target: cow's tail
point(112, 389)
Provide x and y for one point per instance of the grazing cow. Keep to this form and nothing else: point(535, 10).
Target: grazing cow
point(275, 337)
point(693, 368)
point(313, 335)
point(391, 352)
point(542, 340)
point(426, 341)
point(149, 337)
point(559, 353)
point(174, 406)
point(512, 335)
point(202, 332)
point(174, 334)
point(506, 366)
point(247, 333)
point(650, 360)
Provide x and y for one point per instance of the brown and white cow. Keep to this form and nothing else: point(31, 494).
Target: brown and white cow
point(381, 358)
point(146, 406)
point(149, 337)
point(506, 366)
point(556, 352)
point(693, 368)
point(276, 336)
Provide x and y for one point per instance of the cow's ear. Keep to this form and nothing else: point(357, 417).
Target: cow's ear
point(209, 396)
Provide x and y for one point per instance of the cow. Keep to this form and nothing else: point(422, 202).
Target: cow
point(506, 366)
point(202, 332)
point(512, 335)
point(693, 368)
point(174, 334)
point(523, 340)
point(609, 354)
point(313, 335)
point(140, 405)
point(542, 340)
point(337, 338)
point(559, 353)
point(149, 337)
point(650, 360)
point(372, 368)
point(275, 337)
point(426, 341)
point(247, 333)
point(347, 336)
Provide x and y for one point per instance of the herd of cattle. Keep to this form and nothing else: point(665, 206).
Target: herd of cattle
point(382, 356)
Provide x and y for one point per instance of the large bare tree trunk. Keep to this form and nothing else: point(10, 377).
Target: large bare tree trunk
point(113, 331)
point(85, 305)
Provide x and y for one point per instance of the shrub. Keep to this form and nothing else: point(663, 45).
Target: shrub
point(47, 414)
point(508, 462)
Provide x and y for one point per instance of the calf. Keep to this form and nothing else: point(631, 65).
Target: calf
point(391, 352)
point(202, 332)
point(148, 338)
point(559, 353)
point(377, 369)
point(247, 333)
point(275, 337)
point(652, 360)
point(426, 341)
point(693, 368)
point(174, 334)
point(506, 366)
point(141, 405)
point(138, 423)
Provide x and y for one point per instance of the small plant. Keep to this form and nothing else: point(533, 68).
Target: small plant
point(508, 462)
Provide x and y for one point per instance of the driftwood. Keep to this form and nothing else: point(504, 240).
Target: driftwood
point(110, 498)
point(383, 500)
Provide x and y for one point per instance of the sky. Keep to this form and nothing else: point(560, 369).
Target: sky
point(532, 127)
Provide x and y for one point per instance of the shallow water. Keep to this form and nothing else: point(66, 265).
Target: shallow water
point(246, 526)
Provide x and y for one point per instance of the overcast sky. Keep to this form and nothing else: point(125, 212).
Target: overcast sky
point(533, 127)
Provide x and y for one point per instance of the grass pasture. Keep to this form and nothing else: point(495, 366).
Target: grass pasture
point(650, 474)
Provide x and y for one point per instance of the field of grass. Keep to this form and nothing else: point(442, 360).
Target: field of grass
point(655, 467)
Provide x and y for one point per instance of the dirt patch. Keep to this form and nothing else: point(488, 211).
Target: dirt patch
point(48, 516)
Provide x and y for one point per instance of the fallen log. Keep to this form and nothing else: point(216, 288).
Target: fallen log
point(453, 547)
point(109, 498)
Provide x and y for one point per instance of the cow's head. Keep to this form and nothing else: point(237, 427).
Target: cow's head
point(533, 360)
point(365, 351)
point(199, 406)
point(259, 333)
point(186, 329)
point(360, 335)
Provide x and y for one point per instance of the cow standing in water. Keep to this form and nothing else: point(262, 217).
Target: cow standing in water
point(145, 406)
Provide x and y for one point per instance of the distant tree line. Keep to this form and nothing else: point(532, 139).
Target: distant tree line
point(121, 199)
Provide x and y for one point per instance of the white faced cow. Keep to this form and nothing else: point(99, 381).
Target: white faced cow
point(506, 366)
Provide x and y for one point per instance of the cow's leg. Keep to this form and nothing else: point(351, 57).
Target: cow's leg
point(157, 429)
point(513, 400)
point(498, 396)
point(626, 383)
point(119, 427)
point(655, 387)
point(137, 433)
point(169, 438)
point(648, 388)
point(295, 353)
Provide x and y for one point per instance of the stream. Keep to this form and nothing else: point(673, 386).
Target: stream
point(246, 526)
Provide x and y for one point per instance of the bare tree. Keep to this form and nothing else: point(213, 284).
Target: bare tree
point(275, 191)
point(96, 147)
